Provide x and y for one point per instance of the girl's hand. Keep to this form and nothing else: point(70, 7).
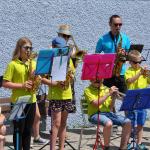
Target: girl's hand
point(27, 85)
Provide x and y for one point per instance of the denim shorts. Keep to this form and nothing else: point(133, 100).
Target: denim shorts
point(137, 117)
point(109, 116)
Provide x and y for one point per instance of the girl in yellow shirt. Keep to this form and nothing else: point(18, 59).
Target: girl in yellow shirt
point(16, 77)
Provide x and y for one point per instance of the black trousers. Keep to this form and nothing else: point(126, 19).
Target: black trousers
point(24, 127)
point(119, 82)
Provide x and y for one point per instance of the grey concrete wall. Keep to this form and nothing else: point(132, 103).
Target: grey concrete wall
point(39, 19)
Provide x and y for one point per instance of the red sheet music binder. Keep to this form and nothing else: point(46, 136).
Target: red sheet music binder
point(97, 66)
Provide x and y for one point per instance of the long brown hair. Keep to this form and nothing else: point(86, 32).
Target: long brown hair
point(22, 41)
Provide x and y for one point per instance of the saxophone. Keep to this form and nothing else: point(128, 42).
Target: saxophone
point(120, 59)
point(69, 78)
point(35, 79)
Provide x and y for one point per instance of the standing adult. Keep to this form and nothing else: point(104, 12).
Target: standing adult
point(115, 42)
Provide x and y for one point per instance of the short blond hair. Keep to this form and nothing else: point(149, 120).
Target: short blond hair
point(134, 55)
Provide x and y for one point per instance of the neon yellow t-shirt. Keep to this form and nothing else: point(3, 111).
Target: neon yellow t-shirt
point(140, 83)
point(17, 72)
point(57, 93)
point(91, 94)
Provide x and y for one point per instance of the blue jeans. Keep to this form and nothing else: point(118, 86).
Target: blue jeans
point(109, 116)
point(137, 117)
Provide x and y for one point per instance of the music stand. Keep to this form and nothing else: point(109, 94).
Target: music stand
point(1, 80)
point(138, 47)
point(97, 66)
point(57, 61)
point(136, 100)
point(17, 113)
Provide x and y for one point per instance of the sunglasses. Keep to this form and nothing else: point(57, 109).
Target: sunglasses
point(66, 36)
point(27, 47)
point(136, 62)
point(117, 24)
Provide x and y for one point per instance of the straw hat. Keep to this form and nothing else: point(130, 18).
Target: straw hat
point(134, 55)
point(64, 29)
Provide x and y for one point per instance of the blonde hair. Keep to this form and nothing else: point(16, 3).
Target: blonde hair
point(134, 55)
point(22, 41)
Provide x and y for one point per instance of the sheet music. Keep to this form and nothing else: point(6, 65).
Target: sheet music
point(59, 68)
point(18, 108)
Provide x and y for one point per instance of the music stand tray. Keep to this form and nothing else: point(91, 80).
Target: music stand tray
point(97, 66)
point(138, 47)
point(136, 100)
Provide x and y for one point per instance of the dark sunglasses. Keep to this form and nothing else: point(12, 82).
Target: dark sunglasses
point(66, 36)
point(117, 24)
point(27, 47)
point(136, 62)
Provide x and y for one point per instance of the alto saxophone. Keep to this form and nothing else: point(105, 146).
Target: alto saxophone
point(120, 59)
point(34, 78)
point(69, 78)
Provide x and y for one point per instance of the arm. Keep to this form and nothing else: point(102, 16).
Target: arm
point(99, 46)
point(133, 79)
point(49, 82)
point(11, 85)
point(112, 91)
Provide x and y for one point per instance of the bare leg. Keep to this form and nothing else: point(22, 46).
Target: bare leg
point(55, 128)
point(62, 130)
point(139, 134)
point(36, 124)
point(2, 137)
point(107, 133)
point(126, 131)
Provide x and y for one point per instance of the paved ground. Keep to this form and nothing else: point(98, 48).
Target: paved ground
point(88, 139)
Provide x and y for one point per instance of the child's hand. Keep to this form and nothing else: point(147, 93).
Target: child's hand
point(144, 71)
point(28, 84)
point(113, 90)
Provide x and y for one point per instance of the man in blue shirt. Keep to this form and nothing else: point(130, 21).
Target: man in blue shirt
point(108, 43)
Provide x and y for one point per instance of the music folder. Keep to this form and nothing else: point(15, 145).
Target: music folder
point(136, 100)
point(97, 66)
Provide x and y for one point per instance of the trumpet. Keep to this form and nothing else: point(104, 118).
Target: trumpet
point(145, 72)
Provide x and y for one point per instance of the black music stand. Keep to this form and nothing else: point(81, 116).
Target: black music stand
point(57, 60)
point(97, 66)
point(17, 113)
point(138, 47)
point(136, 100)
point(1, 80)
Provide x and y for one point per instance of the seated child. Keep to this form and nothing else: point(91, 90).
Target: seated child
point(107, 118)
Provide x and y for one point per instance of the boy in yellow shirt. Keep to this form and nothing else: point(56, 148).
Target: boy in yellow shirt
point(107, 117)
point(136, 79)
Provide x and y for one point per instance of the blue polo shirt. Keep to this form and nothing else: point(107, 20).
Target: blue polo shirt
point(107, 45)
